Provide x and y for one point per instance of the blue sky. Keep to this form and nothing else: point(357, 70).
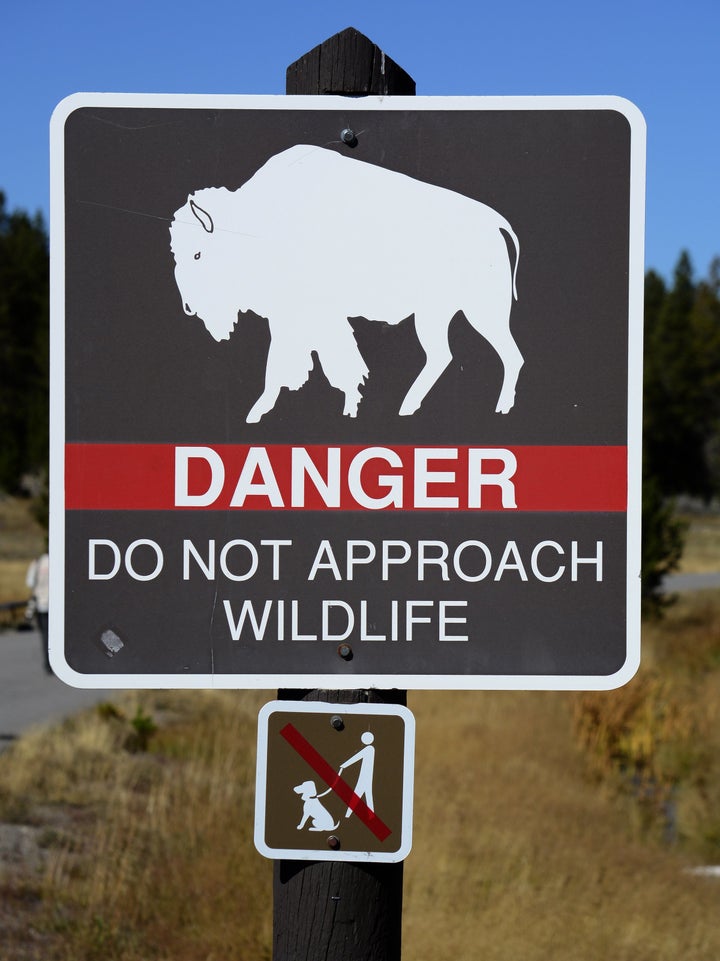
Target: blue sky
point(663, 56)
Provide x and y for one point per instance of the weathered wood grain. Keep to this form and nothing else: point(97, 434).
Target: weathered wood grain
point(348, 64)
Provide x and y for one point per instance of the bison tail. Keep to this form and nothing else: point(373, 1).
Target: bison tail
point(506, 228)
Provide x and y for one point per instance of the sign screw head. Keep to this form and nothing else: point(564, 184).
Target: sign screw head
point(337, 722)
point(333, 843)
point(345, 652)
point(348, 136)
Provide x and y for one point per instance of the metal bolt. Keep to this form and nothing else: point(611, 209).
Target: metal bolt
point(337, 722)
point(345, 652)
point(333, 842)
point(348, 136)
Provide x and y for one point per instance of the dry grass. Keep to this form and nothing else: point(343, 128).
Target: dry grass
point(12, 581)
point(518, 855)
point(702, 544)
point(523, 846)
point(21, 539)
point(153, 857)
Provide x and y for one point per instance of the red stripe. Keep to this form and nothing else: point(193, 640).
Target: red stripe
point(142, 477)
point(333, 780)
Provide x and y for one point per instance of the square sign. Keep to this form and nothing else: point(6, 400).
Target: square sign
point(346, 392)
point(334, 781)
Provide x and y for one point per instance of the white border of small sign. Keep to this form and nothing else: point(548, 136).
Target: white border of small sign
point(408, 772)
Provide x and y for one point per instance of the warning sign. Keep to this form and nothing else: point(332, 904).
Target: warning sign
point(310, 397)
point(334, 781)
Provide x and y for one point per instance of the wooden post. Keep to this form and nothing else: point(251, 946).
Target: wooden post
point(341, 910)
point(348, 64)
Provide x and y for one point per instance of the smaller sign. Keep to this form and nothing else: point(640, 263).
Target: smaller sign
point(334, 781)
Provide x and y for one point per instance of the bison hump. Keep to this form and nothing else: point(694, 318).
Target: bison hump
point(324, 176)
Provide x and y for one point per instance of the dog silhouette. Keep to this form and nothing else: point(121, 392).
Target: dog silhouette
point(313, 809)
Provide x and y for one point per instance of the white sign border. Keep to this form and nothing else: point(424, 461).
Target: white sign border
point(323, 707)
point(346, 105)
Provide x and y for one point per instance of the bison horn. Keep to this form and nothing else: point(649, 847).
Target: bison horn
point(203, 216)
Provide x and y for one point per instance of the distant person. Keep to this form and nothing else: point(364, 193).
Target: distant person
point(37, 581)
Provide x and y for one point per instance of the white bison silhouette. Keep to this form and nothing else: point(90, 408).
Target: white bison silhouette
point(315, 238)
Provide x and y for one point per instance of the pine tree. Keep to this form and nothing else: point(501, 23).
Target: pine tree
point(678, 414)
point(24, 308)
point(662, 545)
point(705, 323)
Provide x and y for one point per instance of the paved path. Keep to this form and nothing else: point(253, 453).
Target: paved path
point(28, 695)
point(691, 582)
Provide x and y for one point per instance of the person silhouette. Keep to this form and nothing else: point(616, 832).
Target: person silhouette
point(366, 757)
point(37, 581)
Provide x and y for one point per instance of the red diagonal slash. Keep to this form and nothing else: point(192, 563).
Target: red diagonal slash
point(333, 780)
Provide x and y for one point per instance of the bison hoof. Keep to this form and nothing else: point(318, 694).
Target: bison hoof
point(352, 402)
point(254, 416)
